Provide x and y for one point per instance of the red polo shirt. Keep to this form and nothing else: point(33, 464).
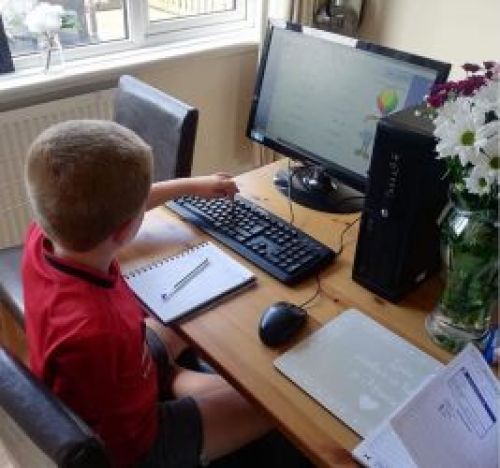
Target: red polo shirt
point(86, 340)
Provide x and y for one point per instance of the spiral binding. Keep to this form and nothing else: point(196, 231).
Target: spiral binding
point(138, 271)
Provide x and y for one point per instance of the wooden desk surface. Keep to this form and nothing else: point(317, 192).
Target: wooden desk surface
point(227, 334)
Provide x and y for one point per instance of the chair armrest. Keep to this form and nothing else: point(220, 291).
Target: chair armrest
point(52, 426)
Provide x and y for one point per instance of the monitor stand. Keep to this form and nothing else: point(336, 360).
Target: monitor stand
point(311, 186)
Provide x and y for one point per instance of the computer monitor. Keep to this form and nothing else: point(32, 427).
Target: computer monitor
point(317, 100)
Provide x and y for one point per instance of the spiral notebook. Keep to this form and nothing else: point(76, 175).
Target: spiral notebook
point(194, 279)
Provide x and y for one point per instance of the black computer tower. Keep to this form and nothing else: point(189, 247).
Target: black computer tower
point(398, 243)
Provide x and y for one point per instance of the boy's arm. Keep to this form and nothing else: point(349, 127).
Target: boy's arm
point(216, 185)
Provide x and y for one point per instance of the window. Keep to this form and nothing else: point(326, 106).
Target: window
point(159, 10)
point(94, 27)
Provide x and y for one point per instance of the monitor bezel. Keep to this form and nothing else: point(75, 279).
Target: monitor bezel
point(336, 171)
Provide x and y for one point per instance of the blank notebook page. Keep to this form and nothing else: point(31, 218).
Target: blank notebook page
point(222, 276)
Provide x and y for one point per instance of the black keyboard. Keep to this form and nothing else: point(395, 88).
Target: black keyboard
point(274, 245)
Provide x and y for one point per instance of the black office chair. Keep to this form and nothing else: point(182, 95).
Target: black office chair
point(163, 122)
point(70, 443)
point(50, 424)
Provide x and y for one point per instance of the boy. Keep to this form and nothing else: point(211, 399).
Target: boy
point(89, 184)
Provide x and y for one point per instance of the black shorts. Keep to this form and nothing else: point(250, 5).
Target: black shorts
point(178, 443)
point(179, 440)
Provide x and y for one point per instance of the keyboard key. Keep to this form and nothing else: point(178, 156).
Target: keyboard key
point(272, 244)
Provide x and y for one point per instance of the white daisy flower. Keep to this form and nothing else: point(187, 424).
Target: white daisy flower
point(487, 99)
point(467, 128)
point(463, 137)
point(44, 18)
point(492, 152)
point(447, 112)
point(490, 92)
point(486, 140)
point(479, 181)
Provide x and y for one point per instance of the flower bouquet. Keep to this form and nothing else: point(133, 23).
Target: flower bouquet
point(46, 20)
point(466, 117)
point(43, 21)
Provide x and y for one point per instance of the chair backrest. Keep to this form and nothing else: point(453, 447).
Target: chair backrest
point(163, 122)
point(50, 424)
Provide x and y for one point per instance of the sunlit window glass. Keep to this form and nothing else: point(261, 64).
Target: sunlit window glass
point(160, 10)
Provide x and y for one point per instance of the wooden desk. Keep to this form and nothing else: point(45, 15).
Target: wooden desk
point(227, 334)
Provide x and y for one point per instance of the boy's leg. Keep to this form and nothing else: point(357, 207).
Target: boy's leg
point(219, 404)
point(206, 406)
point(172, 342)
point(271, 450)
point(229, 421)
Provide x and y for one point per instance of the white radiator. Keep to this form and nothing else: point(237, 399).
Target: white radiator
point(18, 128)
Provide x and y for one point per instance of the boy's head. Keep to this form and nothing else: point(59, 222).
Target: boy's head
point(85, 179)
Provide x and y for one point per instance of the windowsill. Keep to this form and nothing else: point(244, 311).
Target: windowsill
point(30, 86)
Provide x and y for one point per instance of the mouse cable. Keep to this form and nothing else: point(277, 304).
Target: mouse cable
point(315, 295)
point(318, 281)
point(348, 226)
point(291, 173)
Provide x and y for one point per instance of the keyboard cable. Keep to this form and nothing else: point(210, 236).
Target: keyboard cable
point(291, 174)
point(341, 249)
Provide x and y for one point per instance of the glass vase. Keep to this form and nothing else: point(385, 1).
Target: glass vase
point(469, 242)
point(51, 52)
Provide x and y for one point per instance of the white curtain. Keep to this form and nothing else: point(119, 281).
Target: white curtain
point(302, 11)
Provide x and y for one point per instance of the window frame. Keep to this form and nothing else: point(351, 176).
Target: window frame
point(143, 33)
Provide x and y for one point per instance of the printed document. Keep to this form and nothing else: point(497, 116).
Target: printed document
point(453, 421)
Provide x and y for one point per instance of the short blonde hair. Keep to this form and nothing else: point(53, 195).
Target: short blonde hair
point(85, 178)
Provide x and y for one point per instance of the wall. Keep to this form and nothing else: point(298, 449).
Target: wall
point(456, 31)
point(220, 86)
point(218, 82)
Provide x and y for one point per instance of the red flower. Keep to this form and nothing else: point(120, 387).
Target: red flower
point(440, 93)
point(471, 67)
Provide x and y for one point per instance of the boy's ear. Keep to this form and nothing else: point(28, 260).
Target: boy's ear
point(120, 235)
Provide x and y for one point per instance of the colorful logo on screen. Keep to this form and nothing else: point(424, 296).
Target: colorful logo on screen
point(387, 101)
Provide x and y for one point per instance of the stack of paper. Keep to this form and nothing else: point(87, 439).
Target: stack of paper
point(450, 422)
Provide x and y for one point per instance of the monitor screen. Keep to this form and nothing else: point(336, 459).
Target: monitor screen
point(319, 96)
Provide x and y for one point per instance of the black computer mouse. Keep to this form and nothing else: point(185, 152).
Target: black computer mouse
point(279, 322)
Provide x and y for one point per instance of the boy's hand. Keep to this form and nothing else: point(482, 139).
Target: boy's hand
point(213, 186)
point(217, 185)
